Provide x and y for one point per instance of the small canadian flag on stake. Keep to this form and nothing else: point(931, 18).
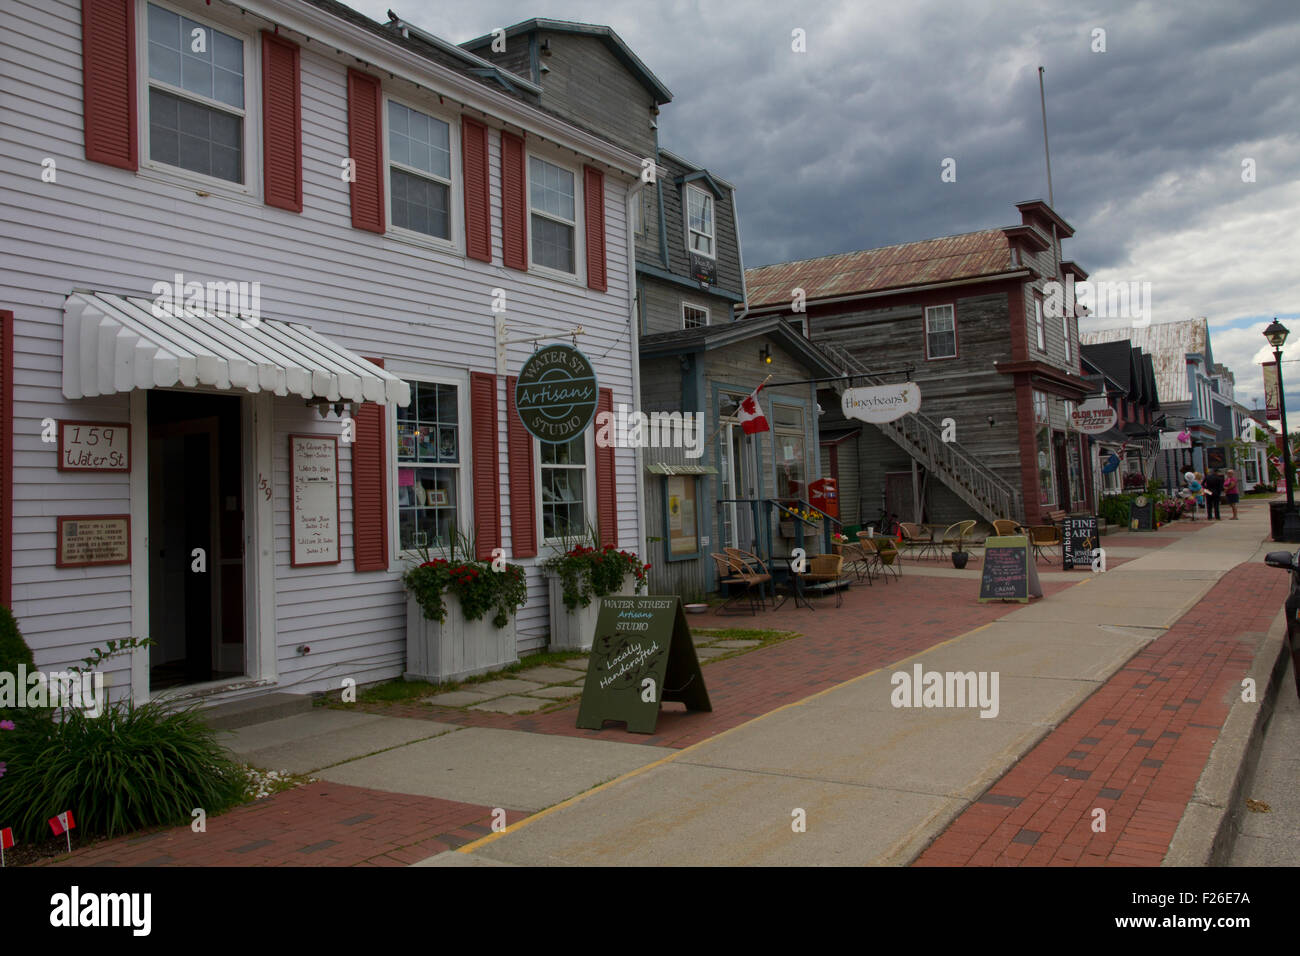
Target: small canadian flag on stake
point(750, 413)
point(64, 824)
point(6, 841)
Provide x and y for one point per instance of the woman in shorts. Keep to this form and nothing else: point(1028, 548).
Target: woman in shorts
point(1231, 491)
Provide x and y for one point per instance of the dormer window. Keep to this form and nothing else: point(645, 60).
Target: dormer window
point(699, 222)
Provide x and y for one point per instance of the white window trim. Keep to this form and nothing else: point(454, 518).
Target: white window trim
point(455, 212)
point(579, 275)
point(465, 482)
point(590, 514)
point(708, 319)
point(952, 311)
point(251, 187)
point(713, 221)
point(1065, 330)
point(1039, 324)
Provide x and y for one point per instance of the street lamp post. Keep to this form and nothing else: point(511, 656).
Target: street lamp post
point(1276, 334)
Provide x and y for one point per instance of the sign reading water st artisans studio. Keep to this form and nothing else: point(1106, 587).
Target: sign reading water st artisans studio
point(556, 393)
point(881, 403)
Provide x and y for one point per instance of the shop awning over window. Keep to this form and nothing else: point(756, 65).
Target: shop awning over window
point(117, 343)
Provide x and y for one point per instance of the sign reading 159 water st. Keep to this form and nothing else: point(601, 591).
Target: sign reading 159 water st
point(555, 395)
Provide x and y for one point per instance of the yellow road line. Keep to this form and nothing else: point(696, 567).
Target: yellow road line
point(485, 840)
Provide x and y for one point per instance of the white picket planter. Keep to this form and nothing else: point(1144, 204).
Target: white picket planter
point(455, 648)
point(573, 630)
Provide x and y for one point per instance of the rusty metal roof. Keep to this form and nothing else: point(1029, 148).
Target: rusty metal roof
point(967, 256)
point(1168, 344)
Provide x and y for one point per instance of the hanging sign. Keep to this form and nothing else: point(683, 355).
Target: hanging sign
point(641, 656)
point(556, 393)
point(94, 446)
point(1172, 441)
point(881, 403)
point(1272, 394)
point(1093, 417)
point(314, 476)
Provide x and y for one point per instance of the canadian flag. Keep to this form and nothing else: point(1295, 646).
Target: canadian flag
point(6, 838)
point(752, 419)
point(63, 822)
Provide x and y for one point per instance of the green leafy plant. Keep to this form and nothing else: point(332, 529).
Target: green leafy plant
point(1115, 509)
point(479, 586)
point(588, 571)
point(112, 649)
point(134, 766)
point(13, 652)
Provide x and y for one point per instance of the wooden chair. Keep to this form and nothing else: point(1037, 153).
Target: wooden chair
point(887, 555)
point(1044, 536)
point(731, 575)
point(955, 535)
point(1005, 526)
point(856, 561)
point(916, 538)
point(753, 565)
point(826, 570)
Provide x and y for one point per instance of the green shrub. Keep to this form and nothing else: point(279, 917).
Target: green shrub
point(134, 766)
point(1115, 509)
point(14, 651)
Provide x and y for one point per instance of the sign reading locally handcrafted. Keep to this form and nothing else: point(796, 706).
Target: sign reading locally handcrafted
point(314, 477)
point(1081, 536)
point(641, 656)
point(881, 403)
point(703, 269)
point(556, 393)
point(1009, 573)
point(88, 540)
point(94, 446)
point(1141, 514)
point(1093, 417)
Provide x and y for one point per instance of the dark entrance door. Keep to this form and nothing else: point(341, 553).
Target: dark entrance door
point(196, 539)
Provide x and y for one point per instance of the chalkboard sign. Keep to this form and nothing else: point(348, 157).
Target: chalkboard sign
point(1081, 537)
point(1009, 573)
point(641, 655)
point(1141, 514)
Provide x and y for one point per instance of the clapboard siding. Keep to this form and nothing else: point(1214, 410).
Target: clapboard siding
point(727, 243)
point(106, 229)
point(663, 305)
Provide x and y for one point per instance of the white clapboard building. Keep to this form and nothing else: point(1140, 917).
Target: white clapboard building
point(255, 257)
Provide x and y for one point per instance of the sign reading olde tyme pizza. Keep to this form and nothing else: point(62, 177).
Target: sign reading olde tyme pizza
point(641, 655)
point(556, 393)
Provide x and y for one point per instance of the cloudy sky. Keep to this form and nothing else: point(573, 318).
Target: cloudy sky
point(841, 147)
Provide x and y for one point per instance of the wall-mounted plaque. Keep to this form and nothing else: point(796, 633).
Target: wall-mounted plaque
point(704, 270)
point(88, 540)
point(94, 446)
point(314, 480)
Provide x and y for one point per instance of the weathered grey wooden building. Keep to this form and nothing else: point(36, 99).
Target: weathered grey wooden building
point(690, 280)
point(966, 314)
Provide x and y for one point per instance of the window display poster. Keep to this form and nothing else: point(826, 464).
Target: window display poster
point(314, 478)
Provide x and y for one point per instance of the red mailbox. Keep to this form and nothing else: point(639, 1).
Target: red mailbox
point(824, 496)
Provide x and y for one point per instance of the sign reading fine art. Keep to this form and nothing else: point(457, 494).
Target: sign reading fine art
point(881, 403)
point(555, 395)
point(1093, 417)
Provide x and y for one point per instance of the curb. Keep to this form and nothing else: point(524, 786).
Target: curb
point(1208, 828)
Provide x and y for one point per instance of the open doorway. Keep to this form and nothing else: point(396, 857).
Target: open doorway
point(196, 539)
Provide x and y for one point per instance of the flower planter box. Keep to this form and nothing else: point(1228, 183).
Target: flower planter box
point(810, 531)
point(457, 647)
point(574, 630)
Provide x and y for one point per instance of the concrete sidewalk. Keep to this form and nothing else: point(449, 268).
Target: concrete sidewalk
point(871, 783)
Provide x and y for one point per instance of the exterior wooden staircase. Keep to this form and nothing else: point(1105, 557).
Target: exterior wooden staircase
point(921, 437)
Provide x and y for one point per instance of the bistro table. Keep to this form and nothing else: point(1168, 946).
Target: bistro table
point(784, 576)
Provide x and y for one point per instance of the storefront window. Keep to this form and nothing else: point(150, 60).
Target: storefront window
point(428, 466)
point(788, 438)
point(1076, 470)
point(1046, 468)
point(682, 512)
point(564, 474)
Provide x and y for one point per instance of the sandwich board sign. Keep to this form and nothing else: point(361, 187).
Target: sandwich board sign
point(1140, 514)
point(1009, 573)
point(1081, 538)
point(641, 656)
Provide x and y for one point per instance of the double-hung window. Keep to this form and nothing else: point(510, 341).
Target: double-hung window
point(940, 332)
point(1038, 324)
point(419, 171)
point(699, 222)
point(553, 222)
point(564, 488)
point(196, 96)
point(694, 317)
point(428, 466)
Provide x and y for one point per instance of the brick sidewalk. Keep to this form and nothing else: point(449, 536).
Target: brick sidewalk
point(1135, 748)
point(320, 824)
point(877, 626)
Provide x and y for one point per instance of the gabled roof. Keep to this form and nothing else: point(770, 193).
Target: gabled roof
point(708, 337)
point(1113, 358)
point(622, 52)
point(1168, 344)
point(972, 255)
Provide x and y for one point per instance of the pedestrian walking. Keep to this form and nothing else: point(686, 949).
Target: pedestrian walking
point(1213, 495)
point(1231, 492)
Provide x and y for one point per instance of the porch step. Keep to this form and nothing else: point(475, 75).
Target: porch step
point(255, 710)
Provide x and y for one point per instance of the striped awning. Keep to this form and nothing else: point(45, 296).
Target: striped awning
point(115, 343)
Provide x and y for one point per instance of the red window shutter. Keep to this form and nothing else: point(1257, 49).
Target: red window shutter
point(606, 483)
point(593, 196)
point(523, 493)
point(6, 458)
point(281, 123)
point(486, 463)
point(365, 144)
point(108, 81)
point(514, 203)
point(474, 156)
point(370, 487)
